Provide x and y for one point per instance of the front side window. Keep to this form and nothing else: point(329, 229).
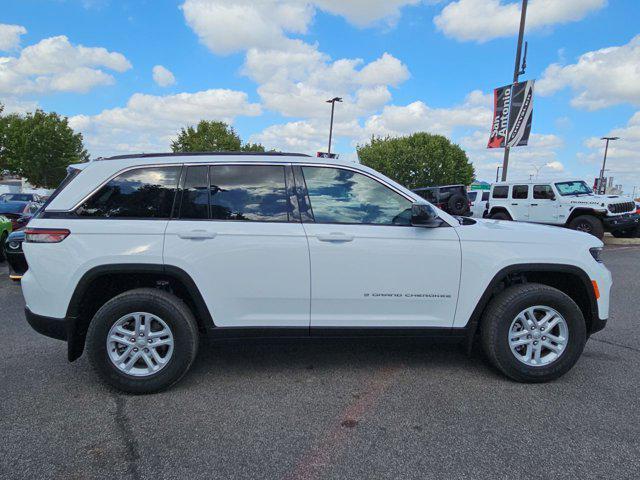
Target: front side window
point(195, 193)
point(520, 192)
point(146, 192)
point(472, 196)
point(500, 192)
point(249, 192)
point(543, 192)
point(343, 196)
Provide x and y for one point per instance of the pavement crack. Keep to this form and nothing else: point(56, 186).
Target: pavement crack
point(126, 433)
point(616, 344)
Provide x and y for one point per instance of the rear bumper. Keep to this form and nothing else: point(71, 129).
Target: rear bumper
point(51, 327)
point(623, 221)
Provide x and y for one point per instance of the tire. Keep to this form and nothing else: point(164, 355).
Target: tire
point(159, 305)
point(497, 324)
point(3, 239)
point(458, 205)
point(501, 216)
point(588, 224)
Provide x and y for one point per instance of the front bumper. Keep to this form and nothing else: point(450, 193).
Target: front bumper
point(628, 220)
point(57, 328)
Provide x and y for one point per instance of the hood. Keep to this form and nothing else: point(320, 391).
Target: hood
point(594, 199)
point(501, 231)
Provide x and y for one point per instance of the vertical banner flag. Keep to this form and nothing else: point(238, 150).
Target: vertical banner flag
point(512, 114)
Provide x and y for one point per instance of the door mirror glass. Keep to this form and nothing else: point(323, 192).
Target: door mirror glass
point(424, 215)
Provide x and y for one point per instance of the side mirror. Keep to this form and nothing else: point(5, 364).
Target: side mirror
point(424, 215)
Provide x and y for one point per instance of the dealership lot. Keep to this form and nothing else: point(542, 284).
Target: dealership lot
point(326, 409)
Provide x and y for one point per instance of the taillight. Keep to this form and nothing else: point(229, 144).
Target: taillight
point(45, 235)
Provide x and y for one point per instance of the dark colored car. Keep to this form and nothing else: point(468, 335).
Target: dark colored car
point(20, 197)
point(14, 254)
point(452, 199)
point(18, 212)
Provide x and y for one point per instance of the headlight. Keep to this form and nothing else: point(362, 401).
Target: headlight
point(596, 253)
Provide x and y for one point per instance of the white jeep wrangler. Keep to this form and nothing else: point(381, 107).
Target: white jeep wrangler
point(135, 257)
point(569, 203)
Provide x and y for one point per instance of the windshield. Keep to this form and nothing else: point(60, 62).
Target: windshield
point(573, 188)
point(12, 207)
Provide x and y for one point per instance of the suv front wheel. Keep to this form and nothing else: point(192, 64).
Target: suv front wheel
point(533, 333)
point(142, 341)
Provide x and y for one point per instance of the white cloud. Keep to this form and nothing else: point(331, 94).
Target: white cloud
point(10, 36)
point(148, 122)
point(483, 20)
point(600, 78)
point(363, 13)
point(54, 64)
point(163, 76)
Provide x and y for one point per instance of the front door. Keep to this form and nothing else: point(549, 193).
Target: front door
point(239, 237)
point(544, 206)
point(369, 266)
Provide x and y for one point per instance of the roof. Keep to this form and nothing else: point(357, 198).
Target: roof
point(202, 154)
point(537, 181)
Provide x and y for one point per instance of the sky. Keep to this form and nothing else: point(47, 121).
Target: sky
point(130, 74)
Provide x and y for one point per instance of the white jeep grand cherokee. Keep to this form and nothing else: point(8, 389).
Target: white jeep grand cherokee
point(135, 257)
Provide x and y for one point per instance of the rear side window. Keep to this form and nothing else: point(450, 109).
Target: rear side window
point(485, 196)
point(520, 192)
point(249, 192)
point(500, 192)
point(543, 192)
point(146, 192)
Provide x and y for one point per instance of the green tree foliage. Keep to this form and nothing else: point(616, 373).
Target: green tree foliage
point(418, 160)
point(209, 136)
point(39, 146)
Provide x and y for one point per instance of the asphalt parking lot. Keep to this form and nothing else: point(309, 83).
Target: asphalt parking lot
point(326, 410)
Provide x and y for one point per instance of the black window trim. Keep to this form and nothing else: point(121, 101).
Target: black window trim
point(512, 190)
point(533, 191)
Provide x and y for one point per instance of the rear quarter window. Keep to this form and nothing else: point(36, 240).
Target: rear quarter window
point(500, 192)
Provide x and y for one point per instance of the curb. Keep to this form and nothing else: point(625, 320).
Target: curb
point(611, 240)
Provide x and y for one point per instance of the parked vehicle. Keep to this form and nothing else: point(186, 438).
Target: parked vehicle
point(5, 230)
point(478, 202)
point(18, 213)
point(452, 199)
point(12, 250)
point(21, 197)
point(568, 203)
point(135, 257)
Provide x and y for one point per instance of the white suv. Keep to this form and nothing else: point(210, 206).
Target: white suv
point(569, 203)
point(135, 257)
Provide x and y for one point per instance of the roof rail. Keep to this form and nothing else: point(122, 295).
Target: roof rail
point(193, 154)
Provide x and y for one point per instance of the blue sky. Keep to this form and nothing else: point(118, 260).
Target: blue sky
point(267, 67)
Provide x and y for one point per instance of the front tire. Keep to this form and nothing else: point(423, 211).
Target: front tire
point(142, 341)
point(588, 224)
point(533, 333)
point(3, 240)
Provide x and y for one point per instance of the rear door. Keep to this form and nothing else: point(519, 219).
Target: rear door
point(520, 203)
point(369, 266)
point(237, 233)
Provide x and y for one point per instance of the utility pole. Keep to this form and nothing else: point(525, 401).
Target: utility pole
point(497, 173)
point(333, 104)
point(602, 189)
point(516, 74)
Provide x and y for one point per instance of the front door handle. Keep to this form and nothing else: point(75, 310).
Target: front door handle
point(196, 235)
point(514, 204)
point(335, 237)
point(534, 204)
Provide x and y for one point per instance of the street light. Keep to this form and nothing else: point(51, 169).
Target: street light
point(497, 173)
point(602, 189)
point(333, 105)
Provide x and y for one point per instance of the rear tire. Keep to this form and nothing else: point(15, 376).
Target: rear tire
point(588, 224)
point(499, 330)
point(178, 350)
point(3, 240)
point(501, 216)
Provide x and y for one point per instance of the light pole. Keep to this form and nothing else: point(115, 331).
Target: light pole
point(497, 173)
point(516, 74)
point(602, 189)
point(333, 105)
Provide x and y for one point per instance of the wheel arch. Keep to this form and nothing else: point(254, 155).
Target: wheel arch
point(500, 209)
point(576, 212)
point(569, 279)
point(101, 283)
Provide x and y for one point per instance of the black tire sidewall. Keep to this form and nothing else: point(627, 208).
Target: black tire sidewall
point(184, 336)
point(453, 207)
point(3, 239)
point(597, 229)
point(572, 314)
point(500, 216)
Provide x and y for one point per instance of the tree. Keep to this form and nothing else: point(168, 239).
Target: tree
point(209, 136)
point(418, 160)
point(39, 146)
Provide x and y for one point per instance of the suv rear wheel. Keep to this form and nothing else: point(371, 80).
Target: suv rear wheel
point(500, 216)
point(533, 333)
point(142, 341)
point(588, 224)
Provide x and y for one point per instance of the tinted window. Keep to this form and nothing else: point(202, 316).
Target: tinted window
point(140, 193)
point(195, 194)
point(344, 196)
point(249, 192)
point(520, 191)
point(13, 207)
point(485, 196)
point(543, 192)
point(472, 196)
point(500, 192)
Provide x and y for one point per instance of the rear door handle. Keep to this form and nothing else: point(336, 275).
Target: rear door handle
point(196, 235)
point(335, 237)
point(534, 204)
point(514, 204)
